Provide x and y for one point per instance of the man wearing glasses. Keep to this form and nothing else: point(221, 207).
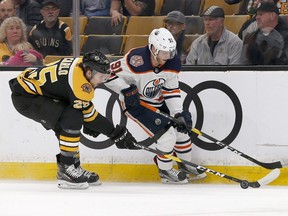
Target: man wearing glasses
point(52, 36)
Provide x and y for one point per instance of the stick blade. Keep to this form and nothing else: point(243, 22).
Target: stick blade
point(269, 177)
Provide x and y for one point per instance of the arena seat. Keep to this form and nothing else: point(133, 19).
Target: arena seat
point(133, 41)
point(194, 25)
point(101, 25)
point(52, 58)
point(113, 58)
point(193, 7)
point(171, 5)
point(187, 7)
point(234, 22)
point(83, 39)
point(108, 44)
point(158, 6)
point(142, 25)
point(188, 40)
point(228, 9)
point(82, 23)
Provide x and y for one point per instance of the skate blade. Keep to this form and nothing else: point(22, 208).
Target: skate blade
point(68, 185)
point(196, 177)
point(97, 183)
point(167, 181)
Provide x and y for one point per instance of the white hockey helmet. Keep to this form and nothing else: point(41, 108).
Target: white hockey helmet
point(162, 40)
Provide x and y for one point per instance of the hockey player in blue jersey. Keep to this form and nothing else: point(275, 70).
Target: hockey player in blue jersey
point(150, 74)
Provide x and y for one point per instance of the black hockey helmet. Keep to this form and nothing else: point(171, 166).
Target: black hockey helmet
point(96, 61)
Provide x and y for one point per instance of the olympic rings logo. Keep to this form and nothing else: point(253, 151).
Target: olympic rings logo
point(192, 96)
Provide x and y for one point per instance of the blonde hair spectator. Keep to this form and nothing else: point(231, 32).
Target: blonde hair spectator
point(14, 46)
point(8, 22)
point(22, 46)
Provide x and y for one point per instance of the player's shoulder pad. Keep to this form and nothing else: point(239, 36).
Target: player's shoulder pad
point(81, 88)
point(138, 59)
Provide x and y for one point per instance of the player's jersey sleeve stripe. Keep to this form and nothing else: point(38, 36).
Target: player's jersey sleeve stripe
point(90, 114)
point(28, 86)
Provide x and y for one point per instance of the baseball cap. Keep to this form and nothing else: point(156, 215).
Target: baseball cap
point(176, 16)
point(268, 7)
point(214, 11)
point(52, 2)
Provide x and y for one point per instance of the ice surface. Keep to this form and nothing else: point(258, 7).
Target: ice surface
point(42, 198)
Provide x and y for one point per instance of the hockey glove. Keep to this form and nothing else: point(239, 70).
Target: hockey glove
point(90, 132)
point(123, 138)
point(185, 122)
point(131, 97)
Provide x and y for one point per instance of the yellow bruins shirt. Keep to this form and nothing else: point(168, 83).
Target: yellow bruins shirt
point(5, 52)
point(62, 80)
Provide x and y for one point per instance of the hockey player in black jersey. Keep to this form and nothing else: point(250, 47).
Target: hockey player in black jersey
point(150, 74)
point(59, 97)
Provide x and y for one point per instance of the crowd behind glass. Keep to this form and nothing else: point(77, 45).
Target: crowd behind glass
point(31, 29)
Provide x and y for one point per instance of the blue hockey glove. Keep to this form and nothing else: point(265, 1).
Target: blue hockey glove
point(131, 97)
point(185, 122)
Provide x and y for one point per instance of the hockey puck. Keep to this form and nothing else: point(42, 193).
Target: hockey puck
point(182, 176)
point(244, 184)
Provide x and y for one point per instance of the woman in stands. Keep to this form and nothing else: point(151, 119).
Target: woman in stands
point(12, 33)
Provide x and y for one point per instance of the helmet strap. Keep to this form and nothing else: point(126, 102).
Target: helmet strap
point(154, 54)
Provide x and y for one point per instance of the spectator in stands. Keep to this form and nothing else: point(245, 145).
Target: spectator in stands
point(24, 55)
point(52, 36)
point(251, 24)
point(269, 44)
point(28, 11)
point(65, 5)
point(250, 6)
point(7, 9)
point(246, 6)
point(175, 23)
point(218, 46)
point(13, 33)
point(130, 8)
point(95, 7)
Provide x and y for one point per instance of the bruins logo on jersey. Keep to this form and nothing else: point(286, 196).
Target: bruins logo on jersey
point(86, 87)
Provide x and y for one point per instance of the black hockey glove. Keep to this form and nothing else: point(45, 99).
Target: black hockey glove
point(90, 132)
point(131, 97)
point(185, 122)
point(123, 138)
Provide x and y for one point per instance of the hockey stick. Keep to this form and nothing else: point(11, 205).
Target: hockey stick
point(243, 183)
point(272, 165)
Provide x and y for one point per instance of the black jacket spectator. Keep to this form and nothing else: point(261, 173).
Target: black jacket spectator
point(29, 12)
point(269, 51)
point(52, 41)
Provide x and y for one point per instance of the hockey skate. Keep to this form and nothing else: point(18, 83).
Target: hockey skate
point(191, 172)
point(69, 177)
point(172, 176)
point(93, 178)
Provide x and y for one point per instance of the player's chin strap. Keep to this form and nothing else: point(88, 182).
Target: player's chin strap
point(272, 165)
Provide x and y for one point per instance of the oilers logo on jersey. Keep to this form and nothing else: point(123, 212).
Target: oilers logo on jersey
point(152, 88)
